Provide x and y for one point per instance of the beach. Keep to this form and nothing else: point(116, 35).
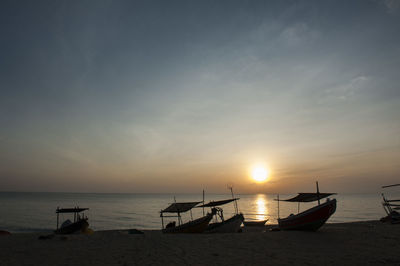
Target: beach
point(358, 243)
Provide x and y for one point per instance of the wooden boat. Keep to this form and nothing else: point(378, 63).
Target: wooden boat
point(311, 219)
point(4, 233)
point(391, 208)
point(80, 223)
point(231, 225)
point(194, 226)
point(255, 222)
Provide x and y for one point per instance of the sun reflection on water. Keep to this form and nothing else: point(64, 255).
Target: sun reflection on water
point(262, 211)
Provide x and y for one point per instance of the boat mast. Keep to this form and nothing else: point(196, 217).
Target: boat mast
point(233, 197)
point(318, 193)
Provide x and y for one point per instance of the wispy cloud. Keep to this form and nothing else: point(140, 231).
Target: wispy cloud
point(165, 93)
point(299, 34)
point(345, 91)
point(392, 5)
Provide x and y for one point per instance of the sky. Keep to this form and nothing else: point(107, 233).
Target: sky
point(180, 96)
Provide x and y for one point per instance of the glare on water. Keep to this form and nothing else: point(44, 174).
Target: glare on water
point(261, 207)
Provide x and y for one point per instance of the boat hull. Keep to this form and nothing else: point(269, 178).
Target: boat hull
point(255, 223)
point(232, 225)
point(193, 227)
point(309, 220)
point(80, 225)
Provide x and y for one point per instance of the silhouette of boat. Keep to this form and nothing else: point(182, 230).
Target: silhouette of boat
point(194, 226)
point(80, 222)
point(391, 207)
point(311, 219)
point(255, 222)
point(231, 225)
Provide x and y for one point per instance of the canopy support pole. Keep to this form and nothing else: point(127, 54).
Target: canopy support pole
point(58, 214)
point(278, 207)
point(203, 202)
point(386, 206)
point(236, 206)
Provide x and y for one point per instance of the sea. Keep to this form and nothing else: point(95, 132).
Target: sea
point(35, 212)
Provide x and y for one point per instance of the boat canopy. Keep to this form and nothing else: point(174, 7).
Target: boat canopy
point(394, 185)
point(180, 207)
point(71, 210)
point(309, 197)
point(217, 203)
point(394, 200)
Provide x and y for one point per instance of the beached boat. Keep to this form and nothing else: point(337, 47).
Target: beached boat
point(255, 222)
point(193, 226)
point(311, 219)
point(231, 225)
point(80, 223)
point(4, 233)
point(391, 207)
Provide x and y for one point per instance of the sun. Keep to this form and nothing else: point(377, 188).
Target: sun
point(259, 173)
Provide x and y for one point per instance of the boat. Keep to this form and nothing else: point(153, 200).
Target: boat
point(255, 222)
point(4, 233)
point(231, 225)
point(391, 208)
point(80, 223)
point(194, 226)
point(311, 219)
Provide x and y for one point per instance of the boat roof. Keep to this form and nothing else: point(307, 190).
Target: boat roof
point(308, 197)
point(394, 185)
point(217, 203)
point(71, 210)
point(180, 207)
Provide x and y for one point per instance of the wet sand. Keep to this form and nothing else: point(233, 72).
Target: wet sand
point(360, 243)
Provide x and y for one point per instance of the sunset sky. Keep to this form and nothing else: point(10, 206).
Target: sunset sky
point(177, 96)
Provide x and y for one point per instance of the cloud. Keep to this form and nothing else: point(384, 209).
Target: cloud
point(298, 34)
point(345, 91)
point(392, 5)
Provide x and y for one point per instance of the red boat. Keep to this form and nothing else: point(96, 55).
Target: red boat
point(311, 219)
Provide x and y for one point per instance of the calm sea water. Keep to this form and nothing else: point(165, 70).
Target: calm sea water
point(28, 212)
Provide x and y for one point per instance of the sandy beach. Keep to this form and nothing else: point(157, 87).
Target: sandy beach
point(359, 243)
